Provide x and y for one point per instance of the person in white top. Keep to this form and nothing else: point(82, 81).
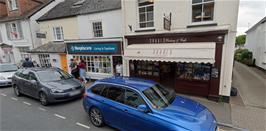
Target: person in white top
point(119, 69)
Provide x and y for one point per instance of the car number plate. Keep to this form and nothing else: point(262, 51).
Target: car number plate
point(74, 93)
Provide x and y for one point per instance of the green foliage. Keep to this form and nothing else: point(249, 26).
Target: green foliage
point(240, 40)
point(244, 56)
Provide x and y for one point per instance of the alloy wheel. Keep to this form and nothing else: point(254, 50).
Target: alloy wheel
point(96, 117)
point(43, 99)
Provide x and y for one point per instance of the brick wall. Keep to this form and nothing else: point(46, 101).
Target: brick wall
point(3, 9)
point(23, 7)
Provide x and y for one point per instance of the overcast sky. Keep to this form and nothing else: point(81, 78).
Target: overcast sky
point(250, 12)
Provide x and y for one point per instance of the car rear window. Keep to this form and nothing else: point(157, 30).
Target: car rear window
point(97, 89)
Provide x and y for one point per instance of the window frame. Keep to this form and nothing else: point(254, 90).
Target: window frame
point(202, 21)
point(138, 15)
point(61, 33)
point(13, 5)
point(14, 29)
point(45, 60)
point(97, 33)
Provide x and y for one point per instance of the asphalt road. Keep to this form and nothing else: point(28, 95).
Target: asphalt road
point(27, 114)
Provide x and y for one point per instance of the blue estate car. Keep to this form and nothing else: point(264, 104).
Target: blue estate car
point(140, 105)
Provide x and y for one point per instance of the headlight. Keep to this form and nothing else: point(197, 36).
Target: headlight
point(55, 90)
point(2, 78)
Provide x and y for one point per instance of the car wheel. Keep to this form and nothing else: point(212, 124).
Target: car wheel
point(43, 99)
point(96, 117)
point(16, 90)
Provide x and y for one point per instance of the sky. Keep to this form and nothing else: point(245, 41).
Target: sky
point(250, 12)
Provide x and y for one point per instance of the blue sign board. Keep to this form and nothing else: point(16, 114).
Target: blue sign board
point(74, 48)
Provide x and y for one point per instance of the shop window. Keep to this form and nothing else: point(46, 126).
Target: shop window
point(13, 5)
point(97, 29)
point(146, 68)
point(45, 60)
point(202, 10)
point(191, 71)
point(58, 33)
point(146, 13)
point(97, 64)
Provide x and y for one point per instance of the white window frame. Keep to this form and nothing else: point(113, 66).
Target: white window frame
point(202, 21)
point(45, 60)
point(90, 62)
point(95, 30)
point(14, 30)
point(1, 38)
point(138, 15)
point(61, 33)
point(12, 5)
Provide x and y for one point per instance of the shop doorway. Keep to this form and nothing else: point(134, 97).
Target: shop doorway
point(167, 74)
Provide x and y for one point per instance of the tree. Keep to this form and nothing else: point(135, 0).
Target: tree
point(240, 40)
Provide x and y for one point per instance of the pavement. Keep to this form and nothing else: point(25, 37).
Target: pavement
point(248, 109)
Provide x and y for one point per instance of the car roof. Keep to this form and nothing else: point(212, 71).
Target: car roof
point(136, 83)
point(37, 69)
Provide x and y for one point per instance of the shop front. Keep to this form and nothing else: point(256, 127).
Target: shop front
point(101, 58)
point(188, 62)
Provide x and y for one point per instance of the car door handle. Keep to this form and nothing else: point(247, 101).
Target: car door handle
point(125, 110)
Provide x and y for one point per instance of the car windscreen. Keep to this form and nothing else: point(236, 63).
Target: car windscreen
point(53, 75)
point(8, 68)
point(159, 96)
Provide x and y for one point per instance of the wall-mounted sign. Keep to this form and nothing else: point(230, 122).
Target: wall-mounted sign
point(167, 22)
point(90, 48)
point(40, 35)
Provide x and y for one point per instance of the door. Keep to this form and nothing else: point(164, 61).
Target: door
point(167, 74)
point(135, 119)
point(23, 82)
point(63, 60)
point(112, 106)
point(33, 89)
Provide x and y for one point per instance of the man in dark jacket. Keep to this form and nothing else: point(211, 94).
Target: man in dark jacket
point(27, 63)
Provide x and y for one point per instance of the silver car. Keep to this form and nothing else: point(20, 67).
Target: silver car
point(6, 72)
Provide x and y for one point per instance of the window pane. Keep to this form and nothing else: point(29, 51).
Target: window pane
point(142, 25)
point(149, 8)
point(141, 10)
point(150, 16)
point(142, 17)
point(133, 99)
point(196, 13)
point(208, 0)
point(208, 11)
point(196, 1)
point(116, 94)
point(150, 24)
point(97, 89)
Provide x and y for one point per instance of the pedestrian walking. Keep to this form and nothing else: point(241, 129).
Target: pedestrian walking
point(119, 69)
point(27, 63)
point(82, 71)
point(74, 68)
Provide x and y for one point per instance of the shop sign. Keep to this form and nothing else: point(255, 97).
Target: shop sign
point(92, 48)
point(167, 22)
point(167, 40)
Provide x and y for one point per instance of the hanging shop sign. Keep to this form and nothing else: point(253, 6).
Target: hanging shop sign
point(93, 48)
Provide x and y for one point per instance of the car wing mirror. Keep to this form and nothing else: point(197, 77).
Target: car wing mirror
point(143, 108)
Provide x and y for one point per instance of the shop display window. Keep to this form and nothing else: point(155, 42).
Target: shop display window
point(193, 71)
point(147, 68)
point(97, 64)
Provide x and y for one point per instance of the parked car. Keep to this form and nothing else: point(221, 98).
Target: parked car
point(141, 105)
point(7, 70)
point(47, 84)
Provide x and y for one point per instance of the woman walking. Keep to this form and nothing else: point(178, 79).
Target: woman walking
point(82, 71)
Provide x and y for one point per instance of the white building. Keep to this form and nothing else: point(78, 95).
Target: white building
point(18, 27)
point(187, 45)
point(256, 43)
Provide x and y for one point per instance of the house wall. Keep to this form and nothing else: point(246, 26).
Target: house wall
point(225, 16)
point(256, 42)
point(70, 28)
point(3, 9)
point(111, 24)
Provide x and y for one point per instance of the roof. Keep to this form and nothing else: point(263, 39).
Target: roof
point(257, 24)
point(136, 83)
point(51, 47)
point(27, 14)
point(66, 8)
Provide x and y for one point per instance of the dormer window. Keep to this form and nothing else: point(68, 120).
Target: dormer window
point(78, 4)
point(145, 9)
point(202, 10)
point(13, 5)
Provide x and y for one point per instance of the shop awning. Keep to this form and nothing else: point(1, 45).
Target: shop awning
point(203, 52)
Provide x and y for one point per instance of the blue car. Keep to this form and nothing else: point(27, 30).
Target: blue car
point(134, 104)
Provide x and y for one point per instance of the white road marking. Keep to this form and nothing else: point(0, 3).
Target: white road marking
point(42, 109)
point(3, 94)
point(27, 103)
point(13, 98)
point(79, 124)
point(59, 116)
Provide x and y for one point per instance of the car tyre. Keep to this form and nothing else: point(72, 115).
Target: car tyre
point(96, 117)
point(43, 99)
point(16, 90)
